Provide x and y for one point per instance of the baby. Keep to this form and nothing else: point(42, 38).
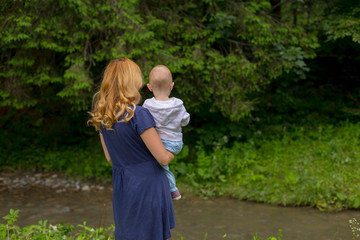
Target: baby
point(169, 115)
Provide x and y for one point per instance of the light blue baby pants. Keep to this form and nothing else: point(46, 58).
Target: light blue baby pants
point(174, 147)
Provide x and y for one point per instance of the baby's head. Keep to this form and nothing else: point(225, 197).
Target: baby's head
point(160, 81)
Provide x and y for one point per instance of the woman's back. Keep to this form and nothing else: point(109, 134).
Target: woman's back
point(124, 143)
point(142, 202)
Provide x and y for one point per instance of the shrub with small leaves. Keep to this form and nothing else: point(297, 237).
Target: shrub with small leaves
point(355, 228)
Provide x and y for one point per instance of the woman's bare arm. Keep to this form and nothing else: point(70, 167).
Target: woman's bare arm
point(105, 149)
point(156, 147)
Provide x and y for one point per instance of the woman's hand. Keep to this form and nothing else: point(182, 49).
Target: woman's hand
point(156, 147)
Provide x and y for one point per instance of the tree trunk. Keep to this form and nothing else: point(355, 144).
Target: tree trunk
point(276, 9)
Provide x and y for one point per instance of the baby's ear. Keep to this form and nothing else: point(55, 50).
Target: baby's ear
point(149, 87)
point(172, 85)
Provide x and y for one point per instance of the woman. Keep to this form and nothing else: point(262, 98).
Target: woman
point(142, 202)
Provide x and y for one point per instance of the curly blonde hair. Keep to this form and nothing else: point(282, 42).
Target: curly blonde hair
point(119, 91)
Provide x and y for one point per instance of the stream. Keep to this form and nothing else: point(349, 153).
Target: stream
point(195, 217)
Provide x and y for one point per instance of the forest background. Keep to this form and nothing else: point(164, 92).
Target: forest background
point(272, 87)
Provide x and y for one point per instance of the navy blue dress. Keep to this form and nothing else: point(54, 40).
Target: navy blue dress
point(142, 203)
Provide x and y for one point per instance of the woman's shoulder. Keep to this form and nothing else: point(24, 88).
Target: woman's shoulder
point(142, 113)
point(139, 110)
point(142, 119)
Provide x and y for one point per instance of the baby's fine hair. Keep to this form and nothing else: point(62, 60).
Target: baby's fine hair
point(160, 77)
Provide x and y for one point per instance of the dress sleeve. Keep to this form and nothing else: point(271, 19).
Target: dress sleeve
point(143, 120)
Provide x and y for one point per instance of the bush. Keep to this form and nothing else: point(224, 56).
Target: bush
point(47, 231)
point(302, 166)
point(85, 161)
point(62, 231)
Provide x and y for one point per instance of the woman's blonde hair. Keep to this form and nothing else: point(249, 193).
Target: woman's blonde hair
point(119, 91)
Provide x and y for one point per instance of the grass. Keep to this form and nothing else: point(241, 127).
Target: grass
point(312, 166)
point(85, 161)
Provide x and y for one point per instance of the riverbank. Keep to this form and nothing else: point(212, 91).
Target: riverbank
point(195, 217)
point(314, 166)
point(52, 180)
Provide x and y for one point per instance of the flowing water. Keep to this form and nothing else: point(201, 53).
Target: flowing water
point(195, 217)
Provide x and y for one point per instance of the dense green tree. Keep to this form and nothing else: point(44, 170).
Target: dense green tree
point(329, 91)
point(228, 59)
point(52, 46)
point(292, 64)
point(219, 51)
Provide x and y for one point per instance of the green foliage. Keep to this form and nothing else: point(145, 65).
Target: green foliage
point(342, 20)
point(244, 73)
point(12, 216)
point(44, 231)
point(286, 165)
point(355, 228)
point(279, 236)
point(233, 50)
point(87, 162)
point(299, 166)
point(228, 49)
